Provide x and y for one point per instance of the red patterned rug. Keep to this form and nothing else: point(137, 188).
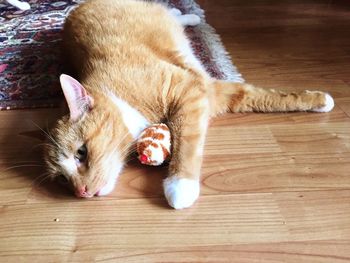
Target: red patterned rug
point(30, 51)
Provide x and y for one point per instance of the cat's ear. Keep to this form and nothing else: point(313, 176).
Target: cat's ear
point(76, 96)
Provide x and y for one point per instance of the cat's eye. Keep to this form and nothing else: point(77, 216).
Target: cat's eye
point(81, 154)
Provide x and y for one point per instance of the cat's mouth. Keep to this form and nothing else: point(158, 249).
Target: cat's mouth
point(83, 191)
point(86, 194)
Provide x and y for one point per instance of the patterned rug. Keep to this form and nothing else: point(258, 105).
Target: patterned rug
point(30, 51)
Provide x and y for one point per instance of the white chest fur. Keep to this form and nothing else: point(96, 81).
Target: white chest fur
point(133, 119)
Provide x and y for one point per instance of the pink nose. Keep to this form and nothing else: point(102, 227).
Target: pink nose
point(82, 192)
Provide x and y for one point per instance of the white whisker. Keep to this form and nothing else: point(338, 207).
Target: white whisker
point(20, 166)
point(48, 135)
point(42, 178)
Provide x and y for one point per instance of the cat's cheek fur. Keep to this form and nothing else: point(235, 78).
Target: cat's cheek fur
point(133, 119)
point(108, 188)
point(181, 192)
point(69, 165)
point(112, 181)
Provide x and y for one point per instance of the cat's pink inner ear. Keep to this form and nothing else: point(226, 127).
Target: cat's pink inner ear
point(76, 96)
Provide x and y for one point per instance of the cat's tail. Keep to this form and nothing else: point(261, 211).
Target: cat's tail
point(240, 97)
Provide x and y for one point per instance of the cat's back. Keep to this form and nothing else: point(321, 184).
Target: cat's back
point(117, 27)
point(119, 15)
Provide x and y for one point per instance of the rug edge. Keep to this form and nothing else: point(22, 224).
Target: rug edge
point(213, 39)
point(218, 52)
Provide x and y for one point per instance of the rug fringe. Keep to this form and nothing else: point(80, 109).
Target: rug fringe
point(212, 39)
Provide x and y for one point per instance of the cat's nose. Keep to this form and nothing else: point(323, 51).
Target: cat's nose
point(83, 192)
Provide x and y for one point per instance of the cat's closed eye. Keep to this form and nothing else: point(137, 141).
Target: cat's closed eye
point(81, 154)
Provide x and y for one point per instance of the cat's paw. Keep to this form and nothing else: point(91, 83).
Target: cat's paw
point(329, 104)
point(181, 192)
point(175, 12)
point(23, 6)
point(191, 20)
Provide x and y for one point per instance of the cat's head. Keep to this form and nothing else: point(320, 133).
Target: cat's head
point(88, 147)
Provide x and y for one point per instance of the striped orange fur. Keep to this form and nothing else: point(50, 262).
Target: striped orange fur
point(135, 66)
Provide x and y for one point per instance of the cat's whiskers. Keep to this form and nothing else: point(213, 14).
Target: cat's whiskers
point(20, 166)
point(128, 149)
point(129, 158)
point(122, 140)
point(42, 178)
point(121, 151)
point(23, 164)
point(48, 135)
point(128, 146)
point(41, 145)
point(26, 162)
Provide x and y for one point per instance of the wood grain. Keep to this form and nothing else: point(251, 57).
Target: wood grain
point(275, 187)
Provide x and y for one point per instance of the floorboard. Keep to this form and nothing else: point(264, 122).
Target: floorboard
point(275, 187)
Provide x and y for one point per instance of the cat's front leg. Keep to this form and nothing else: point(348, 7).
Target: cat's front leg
point(188, 127)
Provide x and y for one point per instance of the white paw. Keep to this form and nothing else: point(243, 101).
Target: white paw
point(329, 105)
point(23, 6)
point(180, 192)
point(192, 20)
point(175, 12)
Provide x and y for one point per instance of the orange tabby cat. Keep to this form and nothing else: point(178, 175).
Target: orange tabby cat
point(135, 68)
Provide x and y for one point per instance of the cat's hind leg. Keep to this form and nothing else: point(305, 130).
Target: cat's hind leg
point(238, 97)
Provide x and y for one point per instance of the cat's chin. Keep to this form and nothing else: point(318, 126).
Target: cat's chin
point(107, 189)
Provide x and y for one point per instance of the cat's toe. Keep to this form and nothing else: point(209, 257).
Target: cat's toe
point(181, 192)
point(329, 104)
point(193, 20)
point(24, 6)
point(175, 12)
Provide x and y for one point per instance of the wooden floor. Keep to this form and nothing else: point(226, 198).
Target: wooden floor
point(275, 187)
